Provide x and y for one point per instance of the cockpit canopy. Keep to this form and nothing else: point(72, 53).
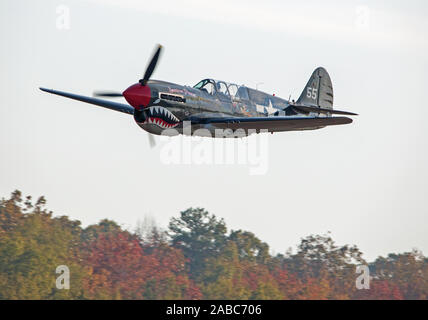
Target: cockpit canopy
point(213, 87)
point(227, 91)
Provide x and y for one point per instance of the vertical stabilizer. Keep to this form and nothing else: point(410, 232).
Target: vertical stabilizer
point(318, 91)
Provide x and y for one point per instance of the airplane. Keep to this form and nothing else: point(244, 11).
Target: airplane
point(215, 106)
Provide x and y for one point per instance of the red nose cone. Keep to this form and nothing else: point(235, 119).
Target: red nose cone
point(137, 95)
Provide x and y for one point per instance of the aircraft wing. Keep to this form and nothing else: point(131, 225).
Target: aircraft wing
point(274, 124)
point(98, 102)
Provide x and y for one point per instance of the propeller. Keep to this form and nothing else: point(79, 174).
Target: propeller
point(107, 94)
point(143, 81)
point(152, 140)
point(151, 66)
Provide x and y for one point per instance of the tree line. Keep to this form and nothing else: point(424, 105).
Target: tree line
point(197, 257)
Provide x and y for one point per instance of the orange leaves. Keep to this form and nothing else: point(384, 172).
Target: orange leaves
point(198, 260)
point(122, 268)
point(381, 290)
point(116, 261)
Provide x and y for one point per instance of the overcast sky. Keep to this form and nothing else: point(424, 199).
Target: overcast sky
point(365, 182)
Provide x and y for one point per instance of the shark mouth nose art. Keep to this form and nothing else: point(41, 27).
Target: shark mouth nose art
point(161, 116)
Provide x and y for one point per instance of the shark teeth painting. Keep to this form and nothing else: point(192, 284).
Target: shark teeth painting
point(161, 117)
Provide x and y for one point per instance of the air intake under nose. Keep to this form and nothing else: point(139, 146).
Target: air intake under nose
point(138, 96)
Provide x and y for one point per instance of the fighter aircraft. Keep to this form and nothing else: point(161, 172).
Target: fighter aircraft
point(213, 105)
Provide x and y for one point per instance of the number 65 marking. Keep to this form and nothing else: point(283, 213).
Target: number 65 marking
point(311, 93)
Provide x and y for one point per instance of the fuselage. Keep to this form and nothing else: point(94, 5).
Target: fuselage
point(164, 105)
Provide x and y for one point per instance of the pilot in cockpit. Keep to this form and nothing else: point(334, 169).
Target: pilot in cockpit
point(221, 88)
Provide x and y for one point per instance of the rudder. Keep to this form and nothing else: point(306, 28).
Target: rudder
point(318, 91)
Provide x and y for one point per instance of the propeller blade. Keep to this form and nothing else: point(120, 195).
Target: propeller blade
point(107, 94)
point(152, 140)
point(151, 67)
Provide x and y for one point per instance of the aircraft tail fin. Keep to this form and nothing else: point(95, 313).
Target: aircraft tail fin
point(318, 91)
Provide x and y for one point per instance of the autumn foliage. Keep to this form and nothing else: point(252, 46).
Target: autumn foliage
point(196, 258)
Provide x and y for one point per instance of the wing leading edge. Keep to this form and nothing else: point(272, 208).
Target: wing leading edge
point(98, 102)
point(274, 124)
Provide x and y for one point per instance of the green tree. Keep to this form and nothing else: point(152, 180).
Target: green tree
point(318, 257)
point(199, 235)
point(223, 276)
point(31, 250)
point(104, 227)
point(11, 212)
point(408, 271)
point(250, 247)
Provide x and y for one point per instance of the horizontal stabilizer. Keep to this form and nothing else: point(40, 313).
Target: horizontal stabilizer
point(308, 109)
